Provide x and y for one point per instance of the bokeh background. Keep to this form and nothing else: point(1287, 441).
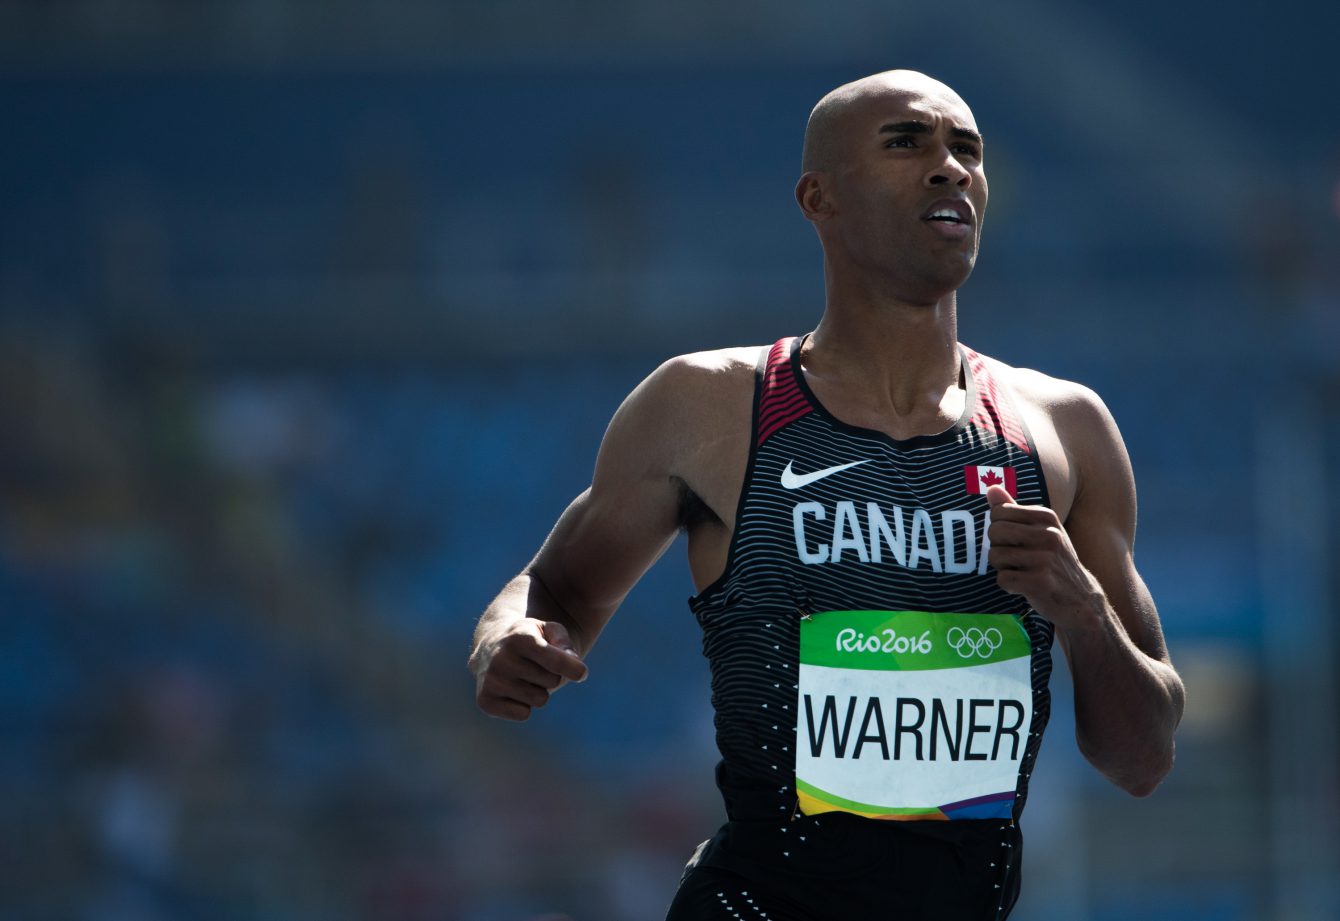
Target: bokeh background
point(312, 315)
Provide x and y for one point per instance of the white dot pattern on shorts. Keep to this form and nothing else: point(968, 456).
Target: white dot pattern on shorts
point(743, 903)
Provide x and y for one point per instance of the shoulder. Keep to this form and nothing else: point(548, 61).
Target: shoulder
point(686, 400)
point(1077, 411)
point(1077, 438)
point(697, 385)
point(1057, 396)
point(717, 368)
point(683, 430)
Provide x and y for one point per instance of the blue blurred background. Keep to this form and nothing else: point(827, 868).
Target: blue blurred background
point(311, 318)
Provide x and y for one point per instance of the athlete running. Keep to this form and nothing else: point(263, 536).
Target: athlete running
point(886, 530)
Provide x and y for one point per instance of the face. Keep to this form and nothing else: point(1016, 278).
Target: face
point(906, 192)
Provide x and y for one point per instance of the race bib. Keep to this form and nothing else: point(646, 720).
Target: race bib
point(911, 715)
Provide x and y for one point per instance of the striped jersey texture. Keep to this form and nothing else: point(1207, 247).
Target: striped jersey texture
point(832, 517)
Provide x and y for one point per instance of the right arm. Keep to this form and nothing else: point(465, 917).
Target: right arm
point(531, 639)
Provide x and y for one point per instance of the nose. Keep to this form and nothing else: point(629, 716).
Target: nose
point(948, 170)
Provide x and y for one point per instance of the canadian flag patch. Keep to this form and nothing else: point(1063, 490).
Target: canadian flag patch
point(979, 478)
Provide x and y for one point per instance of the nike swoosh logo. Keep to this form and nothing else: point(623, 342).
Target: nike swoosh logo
point(792, 480)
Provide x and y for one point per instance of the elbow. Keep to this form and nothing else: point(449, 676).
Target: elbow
point(1148, 777)
point(1140, 778)
point(1143, 787)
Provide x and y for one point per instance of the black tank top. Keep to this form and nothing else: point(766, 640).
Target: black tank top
point(863, 658)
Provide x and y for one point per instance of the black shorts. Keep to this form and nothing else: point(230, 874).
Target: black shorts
point(843, 868)
point(707, 893)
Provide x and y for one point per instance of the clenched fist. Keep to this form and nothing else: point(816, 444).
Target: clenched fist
point(1033, 557)
point(517, 670)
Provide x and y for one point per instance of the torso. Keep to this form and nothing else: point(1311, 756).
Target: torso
point(714, 472)
point(842, 536)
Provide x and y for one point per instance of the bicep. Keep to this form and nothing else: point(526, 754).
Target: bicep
point(1102, 522)
point(616, 529)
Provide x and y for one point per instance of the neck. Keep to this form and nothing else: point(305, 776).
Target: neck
point(896, 356)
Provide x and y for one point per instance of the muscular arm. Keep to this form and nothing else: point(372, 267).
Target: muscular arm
point(532, 637)
point(1082, 577)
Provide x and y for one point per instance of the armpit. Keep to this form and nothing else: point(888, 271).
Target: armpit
point(692, 510)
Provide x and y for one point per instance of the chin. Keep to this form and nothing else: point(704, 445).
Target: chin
point(944, 278)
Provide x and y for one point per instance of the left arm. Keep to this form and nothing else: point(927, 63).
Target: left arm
point(1082, 577)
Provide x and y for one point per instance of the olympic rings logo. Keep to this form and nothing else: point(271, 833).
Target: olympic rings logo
point(974, 641)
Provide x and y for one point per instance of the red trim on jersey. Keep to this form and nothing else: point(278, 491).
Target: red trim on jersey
point(781, 401)
point(993, 411)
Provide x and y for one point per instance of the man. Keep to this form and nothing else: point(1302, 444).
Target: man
point(886, 530)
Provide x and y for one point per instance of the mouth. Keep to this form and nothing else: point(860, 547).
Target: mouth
point(949, 211)
point(951, 218)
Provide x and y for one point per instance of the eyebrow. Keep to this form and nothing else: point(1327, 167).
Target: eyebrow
point(920, 127)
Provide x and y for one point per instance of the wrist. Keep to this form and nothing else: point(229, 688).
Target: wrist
point(486, 639)
point(1086, 613)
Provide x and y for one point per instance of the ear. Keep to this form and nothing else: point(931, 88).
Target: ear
point(814, 196)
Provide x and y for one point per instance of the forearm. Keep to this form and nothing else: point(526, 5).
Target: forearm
point(1127, 703)
point(532, 637)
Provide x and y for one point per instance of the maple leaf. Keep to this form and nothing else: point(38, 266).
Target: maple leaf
point(990, 479)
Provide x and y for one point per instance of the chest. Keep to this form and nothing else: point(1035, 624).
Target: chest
point(821, 496)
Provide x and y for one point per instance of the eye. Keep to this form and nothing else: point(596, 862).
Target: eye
point(902, 140)
point(969, 149)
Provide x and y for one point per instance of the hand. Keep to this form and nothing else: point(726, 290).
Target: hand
point(1033, 557)
point(517, 671)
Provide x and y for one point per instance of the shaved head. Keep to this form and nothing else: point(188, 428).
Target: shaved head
point(893, 182)
point(824, 138)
